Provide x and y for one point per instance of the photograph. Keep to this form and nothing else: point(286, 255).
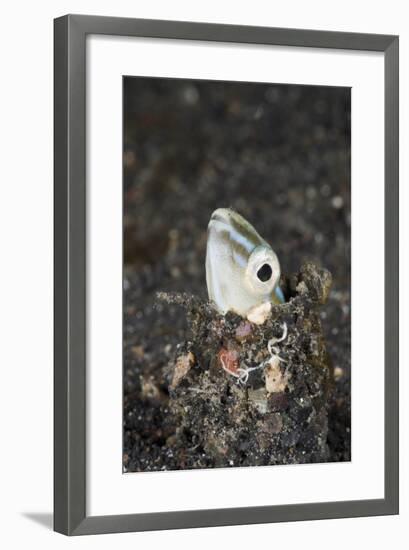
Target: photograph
point(236, 274)
point(203, 319)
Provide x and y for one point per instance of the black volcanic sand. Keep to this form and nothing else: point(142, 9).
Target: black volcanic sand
point(280, 156)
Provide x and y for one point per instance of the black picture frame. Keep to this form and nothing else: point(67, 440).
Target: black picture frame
point(70, 273)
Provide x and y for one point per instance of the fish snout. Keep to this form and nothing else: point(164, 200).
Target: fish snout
point(222, 215)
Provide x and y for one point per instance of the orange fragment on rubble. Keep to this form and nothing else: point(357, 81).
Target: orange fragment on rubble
point(229, 360)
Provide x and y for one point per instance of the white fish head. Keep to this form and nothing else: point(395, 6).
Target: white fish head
point(242, 270)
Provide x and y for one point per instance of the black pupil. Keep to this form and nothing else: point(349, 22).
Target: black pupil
point(264, 273)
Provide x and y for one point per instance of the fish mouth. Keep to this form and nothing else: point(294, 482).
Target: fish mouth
point(221, 216)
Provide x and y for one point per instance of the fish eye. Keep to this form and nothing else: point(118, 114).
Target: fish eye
point(264, 273)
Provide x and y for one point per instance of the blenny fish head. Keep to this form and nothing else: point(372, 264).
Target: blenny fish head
point(242, 270)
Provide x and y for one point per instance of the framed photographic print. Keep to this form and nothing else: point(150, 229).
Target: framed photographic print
point(226, 275)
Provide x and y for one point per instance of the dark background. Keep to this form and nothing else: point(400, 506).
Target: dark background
point(280, 156)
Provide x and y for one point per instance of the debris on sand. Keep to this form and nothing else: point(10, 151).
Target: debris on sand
point(247, 394)
point(183, 365)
